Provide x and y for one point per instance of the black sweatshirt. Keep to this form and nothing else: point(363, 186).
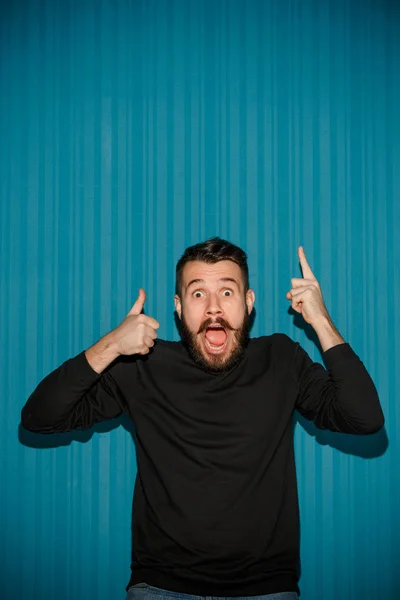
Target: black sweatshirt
point(215, 509)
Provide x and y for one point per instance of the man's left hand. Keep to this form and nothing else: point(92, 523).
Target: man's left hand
point(306, 295)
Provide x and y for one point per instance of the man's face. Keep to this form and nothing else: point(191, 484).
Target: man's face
point(214, 311)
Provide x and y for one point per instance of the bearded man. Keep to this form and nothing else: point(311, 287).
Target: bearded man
point(215, 509)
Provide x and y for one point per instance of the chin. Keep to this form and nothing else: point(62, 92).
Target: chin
point(216, 358)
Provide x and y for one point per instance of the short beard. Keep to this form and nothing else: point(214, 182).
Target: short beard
point(216, 364)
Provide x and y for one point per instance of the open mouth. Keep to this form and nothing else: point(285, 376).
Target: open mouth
point(215, 338)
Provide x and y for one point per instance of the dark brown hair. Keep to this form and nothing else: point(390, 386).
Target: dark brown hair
point(212, 251)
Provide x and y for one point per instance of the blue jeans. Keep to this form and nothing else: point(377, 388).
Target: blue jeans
point(143, 591)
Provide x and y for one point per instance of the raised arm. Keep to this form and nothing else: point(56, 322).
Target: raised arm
point(84, 390)
point(343, 397)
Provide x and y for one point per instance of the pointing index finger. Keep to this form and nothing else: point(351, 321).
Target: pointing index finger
point(305, 267)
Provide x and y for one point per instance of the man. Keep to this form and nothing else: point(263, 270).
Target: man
point(215, 508)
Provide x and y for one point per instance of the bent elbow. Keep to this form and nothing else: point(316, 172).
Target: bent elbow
point(27, 421)
point(33, 424)
point(373, 426)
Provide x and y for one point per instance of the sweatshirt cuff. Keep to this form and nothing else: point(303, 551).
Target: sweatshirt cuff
point(83, 369)
point(338, 354)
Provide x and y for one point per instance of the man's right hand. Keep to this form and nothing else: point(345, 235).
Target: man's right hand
point(135, 335)
point(137, 332)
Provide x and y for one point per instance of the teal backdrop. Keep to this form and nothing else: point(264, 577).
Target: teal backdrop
point(131, 129)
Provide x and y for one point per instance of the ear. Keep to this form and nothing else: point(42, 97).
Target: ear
point(250, 299)
point(178, 305)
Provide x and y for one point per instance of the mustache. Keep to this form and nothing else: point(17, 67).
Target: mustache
point(218, 321)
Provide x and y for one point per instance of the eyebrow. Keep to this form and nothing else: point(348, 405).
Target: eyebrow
point(223, 279)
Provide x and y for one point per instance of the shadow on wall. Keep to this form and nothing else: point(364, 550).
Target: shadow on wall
point(363, 446)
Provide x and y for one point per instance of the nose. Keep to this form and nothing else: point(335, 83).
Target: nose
point(213, 308)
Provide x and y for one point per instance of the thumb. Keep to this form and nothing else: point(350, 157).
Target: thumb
point(138, 306)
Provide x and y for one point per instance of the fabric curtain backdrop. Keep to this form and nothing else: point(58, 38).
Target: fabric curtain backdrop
point(130, 130)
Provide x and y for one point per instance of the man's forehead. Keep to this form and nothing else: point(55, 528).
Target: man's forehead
point(223, 269)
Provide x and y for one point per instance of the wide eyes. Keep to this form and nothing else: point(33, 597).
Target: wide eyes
point(200, 294)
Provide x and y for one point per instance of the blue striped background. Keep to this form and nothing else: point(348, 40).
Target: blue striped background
point(131, 129)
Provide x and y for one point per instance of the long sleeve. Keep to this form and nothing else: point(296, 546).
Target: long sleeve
point(73, 396)
point(342, 397)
